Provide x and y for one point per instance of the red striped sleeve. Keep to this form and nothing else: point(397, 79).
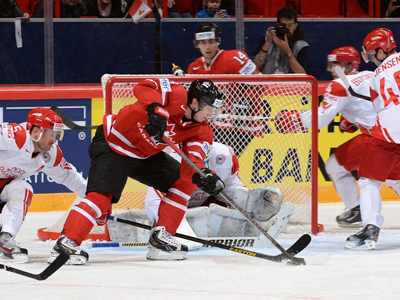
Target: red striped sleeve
point(59, 156)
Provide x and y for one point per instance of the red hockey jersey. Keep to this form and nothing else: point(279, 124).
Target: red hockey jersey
point(125, 132)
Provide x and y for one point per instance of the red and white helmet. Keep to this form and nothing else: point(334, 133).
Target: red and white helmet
point(45, 118)
point(347, 57)
point(381, 38)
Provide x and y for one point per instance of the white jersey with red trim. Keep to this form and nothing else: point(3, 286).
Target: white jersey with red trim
point(223, 161)
point(385, 95)
point(17, 160)
point(337, 99)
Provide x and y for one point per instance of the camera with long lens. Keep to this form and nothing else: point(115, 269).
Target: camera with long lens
point(281, 30)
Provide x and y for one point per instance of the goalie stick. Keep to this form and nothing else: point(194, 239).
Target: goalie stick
point(50, 270)
point(296, 248)
point(346, 83)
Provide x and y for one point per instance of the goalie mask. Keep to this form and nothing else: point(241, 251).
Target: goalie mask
point(207, 32)
point(48, 121)
point(347, 57)
point(380, 38)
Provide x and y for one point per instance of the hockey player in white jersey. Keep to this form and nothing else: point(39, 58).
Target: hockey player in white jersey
point(25, 152)
point(263, 203)
point(355, 113)
point(380, 159)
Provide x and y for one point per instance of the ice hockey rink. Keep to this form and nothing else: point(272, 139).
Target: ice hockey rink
point(216, 273)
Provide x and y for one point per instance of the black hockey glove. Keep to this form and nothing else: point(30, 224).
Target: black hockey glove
point(157, 121)
point(211, 184)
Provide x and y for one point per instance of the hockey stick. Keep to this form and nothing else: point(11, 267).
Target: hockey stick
point(346, 83)
point(294, 260)
point(68, 122)
point(296, 248)
point(53, 267)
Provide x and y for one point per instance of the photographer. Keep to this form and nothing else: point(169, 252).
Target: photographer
point(283, 50)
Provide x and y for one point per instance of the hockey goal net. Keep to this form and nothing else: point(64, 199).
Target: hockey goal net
point(267, 157)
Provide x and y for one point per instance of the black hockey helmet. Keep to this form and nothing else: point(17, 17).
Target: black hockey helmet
point(207, 32)
point(206, 93)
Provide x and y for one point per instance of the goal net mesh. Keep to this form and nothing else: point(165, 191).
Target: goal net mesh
point(267, 157)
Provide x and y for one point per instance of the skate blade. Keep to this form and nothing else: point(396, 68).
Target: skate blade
point(157, 254)
point(74, 260)
point(350, 225)
point(16, 258)
point(368, 245)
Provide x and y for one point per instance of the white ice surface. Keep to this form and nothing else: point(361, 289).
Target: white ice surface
point(214, 273)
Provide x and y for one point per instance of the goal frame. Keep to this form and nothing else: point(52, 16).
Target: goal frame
point(290, 79)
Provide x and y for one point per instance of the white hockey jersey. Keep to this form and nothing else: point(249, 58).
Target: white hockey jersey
point(222, 160)
point(385, 96)
point(337, 99)
point(17, 161)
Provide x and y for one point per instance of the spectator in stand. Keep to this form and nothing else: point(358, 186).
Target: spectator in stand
point(284, 50)
point(172, 9)
point(393, 9)
point(10, 9)
point(69, 9)
point(109, 8)
point(212, 10)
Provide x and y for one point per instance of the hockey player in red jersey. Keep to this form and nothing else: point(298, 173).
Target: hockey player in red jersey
point(130, 144)
point(381, 156)
point(25, 152)
point(242, 100)
point(215, 60)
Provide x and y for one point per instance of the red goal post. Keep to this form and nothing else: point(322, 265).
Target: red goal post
point(267, 157)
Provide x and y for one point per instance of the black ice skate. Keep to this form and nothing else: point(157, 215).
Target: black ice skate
point(350, 218)
point(161, 240)
point(10, 251)
point(365, 239)
point(68, 246)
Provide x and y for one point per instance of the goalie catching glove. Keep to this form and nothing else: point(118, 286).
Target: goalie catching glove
point(289, 121)
point(157, 121)
point(346, 126)
point(212, 184)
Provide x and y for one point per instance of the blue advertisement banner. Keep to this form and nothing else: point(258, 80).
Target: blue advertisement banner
point(74, 145)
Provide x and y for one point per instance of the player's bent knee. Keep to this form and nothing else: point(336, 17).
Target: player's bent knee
point(369, 183)
point(334, 169)
point(19, 191)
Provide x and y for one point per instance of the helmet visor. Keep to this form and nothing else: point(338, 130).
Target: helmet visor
point(54, 134)
point(367, 55)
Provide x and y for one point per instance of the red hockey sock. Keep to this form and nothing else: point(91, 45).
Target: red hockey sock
point(84, 216)
point(170, 217)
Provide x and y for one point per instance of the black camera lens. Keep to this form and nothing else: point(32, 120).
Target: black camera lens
point(281, 30)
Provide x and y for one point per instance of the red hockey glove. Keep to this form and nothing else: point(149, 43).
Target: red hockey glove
point(212, 184)
point(289, 121)
point(346, 126)
point(157, 121)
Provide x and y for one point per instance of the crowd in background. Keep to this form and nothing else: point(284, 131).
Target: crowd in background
point(26, 9)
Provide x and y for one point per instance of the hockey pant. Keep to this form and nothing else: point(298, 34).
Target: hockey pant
point(92, 210)
point(17, 196)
